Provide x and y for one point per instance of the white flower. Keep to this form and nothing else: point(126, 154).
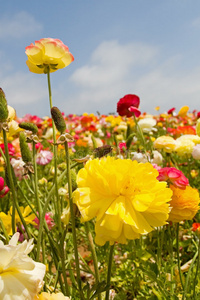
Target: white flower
point(21, 278)
point(18, 166)
point(196, 152)
point(157, 158)
point(140, 157)
point(147, 124)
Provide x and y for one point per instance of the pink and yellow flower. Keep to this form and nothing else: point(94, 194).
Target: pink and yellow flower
point(47, 55)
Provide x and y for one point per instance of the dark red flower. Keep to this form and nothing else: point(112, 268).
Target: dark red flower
point(125, 103)
point(171, 110)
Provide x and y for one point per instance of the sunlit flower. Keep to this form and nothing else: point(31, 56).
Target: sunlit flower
point(147, 124)
point(44, 157)
point(125, 103)
point(124, 196)
point(184, 203)
point(184, 147)
point(47, 54)
point(53, 296)
point(173, 176)
point(26, 213)
point(20, 276)
point(167, 143)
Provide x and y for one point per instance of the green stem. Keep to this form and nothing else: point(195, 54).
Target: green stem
point(94, 255)
point(57, 202)
point(4, 231)
point(110, 259)
point(178, 257)
point(188, 275)
point(197, 270)
point(73, 222)
point(39, 207)
point(63, 263)
point(171, 258)
point(12, 187)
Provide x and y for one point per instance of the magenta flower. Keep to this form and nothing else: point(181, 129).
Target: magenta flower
point(4, 189)
point(135, 111)
point(44, 157)
point(49, 221)
point(173, 176)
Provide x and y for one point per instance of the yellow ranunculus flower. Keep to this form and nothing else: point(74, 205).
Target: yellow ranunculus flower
point(167, 143)
point(184, 203)
point(47, 54)
point(184, 147)
point(124, 196)
point(27, 215)
point(53, 296)
point(183, 111)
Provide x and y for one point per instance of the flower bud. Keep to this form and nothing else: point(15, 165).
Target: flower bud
point(29, 126)
point(73, 180)
point(8, 183)
point(3, 107)
point(129, 140)
point(102, 151)
point(58, 119)
point(25, 151)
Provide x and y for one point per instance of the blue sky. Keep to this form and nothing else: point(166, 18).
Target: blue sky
point(150, 48)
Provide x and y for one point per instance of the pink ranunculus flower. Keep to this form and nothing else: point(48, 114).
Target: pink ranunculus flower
point(44, 157)
point(49, 221)
point(4, 189)
point(173, 176)
point(135, 111)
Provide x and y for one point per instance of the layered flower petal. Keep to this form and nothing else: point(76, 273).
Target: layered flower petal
point(47, 55)
point(124, 196)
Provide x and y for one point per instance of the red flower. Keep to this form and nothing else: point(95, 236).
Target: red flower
point(125, 103)
point(196, 226)
point(173, 176)
point(171, 110)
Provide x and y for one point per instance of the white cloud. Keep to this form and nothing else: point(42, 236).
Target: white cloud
point(17, 26)
point(23, 89)
point(115, 70)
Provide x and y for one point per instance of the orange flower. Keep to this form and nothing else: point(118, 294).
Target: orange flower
point(184, 203)
point(47, 55)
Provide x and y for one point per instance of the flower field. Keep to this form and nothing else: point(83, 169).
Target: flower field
point(98, 206)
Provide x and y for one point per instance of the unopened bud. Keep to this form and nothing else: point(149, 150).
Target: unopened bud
point(8, 183)
point(29, 126)
point(73, 180)
point(3, 107)
point(58, 119)
point(25, 151)
point(102, 151)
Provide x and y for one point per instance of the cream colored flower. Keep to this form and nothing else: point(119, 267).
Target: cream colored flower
point(167, 143)
point(21, 278)
point(147, 124)
point(184, 146)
